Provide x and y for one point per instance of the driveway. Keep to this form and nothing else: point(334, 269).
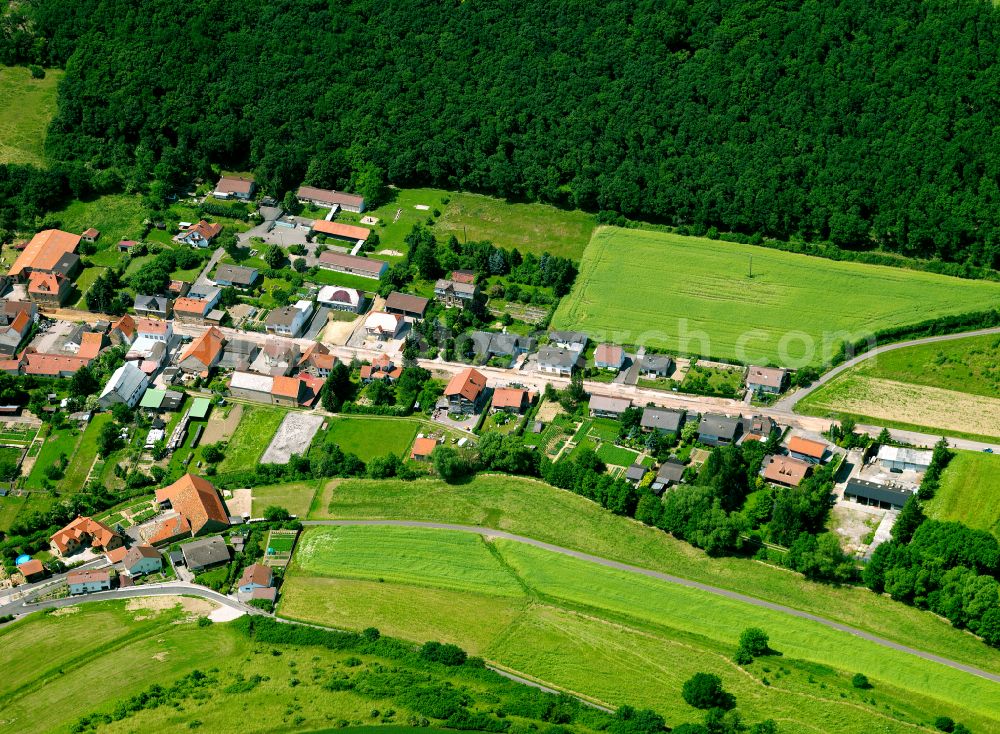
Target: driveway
point(203, 279)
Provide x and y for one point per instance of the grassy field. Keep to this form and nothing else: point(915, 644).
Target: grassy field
point(369, 436)
point(84, 454)
point(61, 441)
point(970, 492)
point(694, 296)
point(26, 107)
point(652, 634)
point(950, 387)
point(296, 497)
point(529, 507)
point(117, 216)
point(253, 687)
point(533, 228)
point(257, 427)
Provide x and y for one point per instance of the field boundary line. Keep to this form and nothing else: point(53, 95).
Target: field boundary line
point(617, 565)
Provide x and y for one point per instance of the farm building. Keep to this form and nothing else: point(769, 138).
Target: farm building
point(405, 304)
point(341, 299)
point(897, 459)
point(784, 470)
point(662, 420)
point(766, 380)
point(364, 267)
point(609, 357)
point(605, 407)
point(126, 385)
point(13, 333)
point(806, 449)
point(197, 503)
point(884, 496)
point(50, 251)
point(204, 353)
point(331, 199)
point(338, 231)
point(718, 430)
point(234, 187)
point(465, 391)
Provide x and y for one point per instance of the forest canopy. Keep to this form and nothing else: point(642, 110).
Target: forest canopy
point(866, 124)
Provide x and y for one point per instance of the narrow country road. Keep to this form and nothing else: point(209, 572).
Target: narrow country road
point(788, 402)
point(170, 588)
point(490, 533)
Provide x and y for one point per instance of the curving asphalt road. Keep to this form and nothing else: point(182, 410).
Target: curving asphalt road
point(491, 533)
point(788, 402)
point(170, 588)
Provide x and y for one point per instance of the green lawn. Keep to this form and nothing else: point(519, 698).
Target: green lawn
point(252, 685)
point(117, 216)
point(950, 387)
point(329, 277)
point(296, 497)
point(83, 456)
point(257, 427)
point(405, 202)
point(13, 507)
point(617, 455)
point(532, 508)
point(369, 436)
point(60, 441)
point(693, 296)
point(623, 638)
point(533, 228)
point(26, 107)
point(85, 280)
point(970, 492)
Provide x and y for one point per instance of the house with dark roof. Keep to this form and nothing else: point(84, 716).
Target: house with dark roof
point(635, 473)
point(453, 294)
point(406, 304)
point(558, 361)
point(872, 494)
point(157, 307)
point(574, 340)
point(331, 199)
point(236, 276)
point(289, 320)
point(205, 553)
point(126, 385)
point(656, 365)
point(719, 430)
point(239, 354)
point(487, 345)
point(606, 407)
point(465, 391)
point(662, 420)
point(668, 475)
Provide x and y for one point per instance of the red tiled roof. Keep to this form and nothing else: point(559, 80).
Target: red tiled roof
point(609, 353)
point(206, 348)
point(423, 447)
point(806, 447)
point(100, 534)
point(82, 577)
point(152, 326)
point(30, 568)
point(336, 229)
point(468, 383)
point(44, 251)
point(330, 197)
point(256, 573)
point(206, 230)
point(91, 232)
point(126, 325)
point(463, 276)
point(90, 345)
point(170, 529)
point(197, 500)
point(39, 282)
point(20, 322)
point(52, 365)
point(286, 387)
point(194, 306)
point(785, 470)
point(509, 397)
point(116, 555)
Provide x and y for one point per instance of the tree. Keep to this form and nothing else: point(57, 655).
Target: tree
point(884, 439)
point(754, 641)
point(83, 382)
point(212, 453)
point(450, 464)
point(109, 439)
point(369, 182)
point(908, 520)
point(944, 723)
point(274, 513)
point(860, 680)
point(274, 257)
point(338, 387)
point(704, 691)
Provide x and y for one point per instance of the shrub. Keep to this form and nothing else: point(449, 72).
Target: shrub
point(944, 723)
point(860, 681)
point(704, 691)
point(444, 653)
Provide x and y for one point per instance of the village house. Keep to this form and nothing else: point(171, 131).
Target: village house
point(382, 367)
point(32, 570)
point(422, 448)
point(719, 430)
point(236, 276)
point(766, 380)
point(255, 576)
point(50, 251)
point(509, 400)
point(364, 267)
point(123, 331)
point(383, 326)
point(50, 288)
point(338, 231)
point(84, 532)
point(239, 354)
point(13, 332)
point(126, 385)
point(268, 389)
point(235, 187)
point(88, 581)
point(204, 353)
point(200, 235)
point(465, 392)
point(455, 295)
point(341, 299)
point(605, 407)
point(662, 420)
point(157, 307)
point(405, 304)
point(192, 310)
point(195, 508)
point(573, 340)
point(668, 475)
point(289, 320)
point(873, 494)
point(317, 360)
point(806, 449)
point(559, 361)
point(331, 199)
point(898, 459)
point(784, 470)
point(140, 560)
point(278, 357)
point(205, 553)
point(609, 357)
point(758, 428)
point(489, 345)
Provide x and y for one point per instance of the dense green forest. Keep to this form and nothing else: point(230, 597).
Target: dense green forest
point(868, 124)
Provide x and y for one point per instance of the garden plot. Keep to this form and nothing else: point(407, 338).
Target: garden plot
point(294, 435)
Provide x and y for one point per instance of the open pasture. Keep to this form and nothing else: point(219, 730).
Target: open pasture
point(578, 618)
point(970, 492)
point(695, 296)
point(368, 437)
point(26, 107)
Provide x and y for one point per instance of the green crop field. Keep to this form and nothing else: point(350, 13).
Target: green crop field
point(58, 657)
point(657, 634)
point(296, 497)
point(970, 492)
point(26, 107)
point(257, 427)
point(950, 387)
point(530, 507)
point(693, 296)
point(370, 436)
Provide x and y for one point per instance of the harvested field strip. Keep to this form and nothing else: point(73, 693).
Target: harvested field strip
point(293, 437)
